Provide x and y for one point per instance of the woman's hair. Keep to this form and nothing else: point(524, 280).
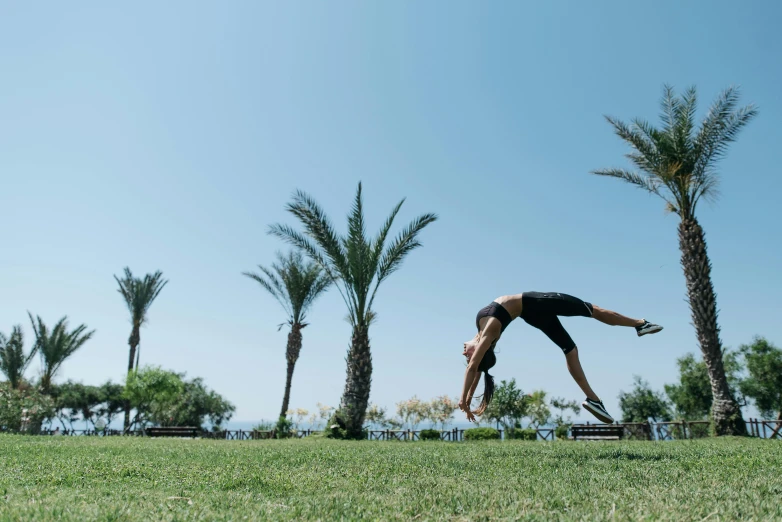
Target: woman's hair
point(488, 361)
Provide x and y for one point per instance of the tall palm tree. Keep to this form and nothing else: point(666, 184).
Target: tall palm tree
point(295, 285)
point(677, 162)
point(139, 295)
point(56, 345)
point(13, 361)
point(357, 266)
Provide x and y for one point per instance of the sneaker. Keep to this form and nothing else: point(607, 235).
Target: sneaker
point(647, 328)
point(597, 409)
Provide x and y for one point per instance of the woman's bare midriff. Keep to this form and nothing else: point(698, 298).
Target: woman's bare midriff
point(512, 303)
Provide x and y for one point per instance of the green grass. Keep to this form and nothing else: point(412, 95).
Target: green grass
point(60, 478)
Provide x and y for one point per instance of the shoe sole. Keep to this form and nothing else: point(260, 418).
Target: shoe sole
point(650, 331)
point(602, 417)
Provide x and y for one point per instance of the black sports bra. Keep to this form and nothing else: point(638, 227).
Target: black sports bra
point(496, 310)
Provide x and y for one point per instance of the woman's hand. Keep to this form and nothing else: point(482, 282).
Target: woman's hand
point(464, 405)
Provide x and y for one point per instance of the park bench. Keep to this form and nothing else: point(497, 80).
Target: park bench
point(173, 431)
point(597, 432)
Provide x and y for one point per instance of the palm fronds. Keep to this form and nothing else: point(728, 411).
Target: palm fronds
point(294, 283)
point(678, 162)
point(13, 361)
point(140, 293)
point(356, 264)
point(56, 345)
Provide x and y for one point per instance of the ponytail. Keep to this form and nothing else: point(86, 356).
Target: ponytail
point(488, 361)
point(488, 393)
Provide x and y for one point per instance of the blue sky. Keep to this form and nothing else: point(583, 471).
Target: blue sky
point(169, 136)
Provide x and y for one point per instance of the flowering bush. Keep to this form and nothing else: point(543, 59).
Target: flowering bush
point(23, 410)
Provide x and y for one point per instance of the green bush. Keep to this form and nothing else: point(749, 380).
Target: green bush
point(560, 432)
point(23, 410)
point(264, 426)
point(284, 428)
point(481, 434)
point(521, 434)
point(429, 435)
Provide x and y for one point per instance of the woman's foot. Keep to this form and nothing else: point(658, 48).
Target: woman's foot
point(597, 409)
point(647, 328)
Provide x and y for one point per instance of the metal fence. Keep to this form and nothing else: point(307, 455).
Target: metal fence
point(661, 431)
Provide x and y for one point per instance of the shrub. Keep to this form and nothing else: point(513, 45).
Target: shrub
point(284, 428)
point(561, 432)
point(264, 426)
point(525, 434)
point(481, 434)
point(429, 435)
point(23, 410)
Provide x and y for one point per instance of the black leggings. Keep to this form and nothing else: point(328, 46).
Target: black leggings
point(541, 310)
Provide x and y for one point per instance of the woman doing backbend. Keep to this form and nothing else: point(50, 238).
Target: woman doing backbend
point(540, 310)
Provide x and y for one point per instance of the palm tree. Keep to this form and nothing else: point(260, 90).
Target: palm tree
point(139, 295)
point(56, 346)
point(295, 285)
point(13, 361)
point(357, 266)
point(678, 163)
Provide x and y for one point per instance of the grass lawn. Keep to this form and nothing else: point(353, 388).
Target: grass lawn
point(80, 478)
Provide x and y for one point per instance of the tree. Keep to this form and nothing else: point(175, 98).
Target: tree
point(74, 399)
point(376, 415)
point(559, 403)
point(442, 409)
point(196, 405)
point(642, 403)
point(508, 406)
point(139, 295)
point(152, 390)
point(692, 397)
point(295, 285)
point(113, 402)
point(764, 382)
point(412, 412)
point(678, 164)
point(56, 346)
point(13, 361)
point(357, 266)
point(537, 410)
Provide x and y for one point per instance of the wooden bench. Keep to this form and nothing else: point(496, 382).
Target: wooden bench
point(173, 431)
point(597, 432)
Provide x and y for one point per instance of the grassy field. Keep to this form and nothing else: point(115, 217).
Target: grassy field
point(60, 478)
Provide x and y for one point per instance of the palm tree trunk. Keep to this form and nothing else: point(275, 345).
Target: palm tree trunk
point(725, 412)
point(46, 381)
point(355, 398)
point(133, 342)
point(292, 355)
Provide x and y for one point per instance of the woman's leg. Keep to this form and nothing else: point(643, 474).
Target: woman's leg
point(574, 367)
point(552, 327)
point(613, 318)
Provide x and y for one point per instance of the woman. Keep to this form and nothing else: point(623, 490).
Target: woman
point(540, 310)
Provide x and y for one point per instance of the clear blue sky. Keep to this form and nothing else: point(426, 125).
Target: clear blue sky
point(170, 135)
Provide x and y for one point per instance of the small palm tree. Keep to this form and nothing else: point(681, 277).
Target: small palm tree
point(295, 285)
point(56, 346)
point(357, 265)
point(13, 361)
point(678, 163)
